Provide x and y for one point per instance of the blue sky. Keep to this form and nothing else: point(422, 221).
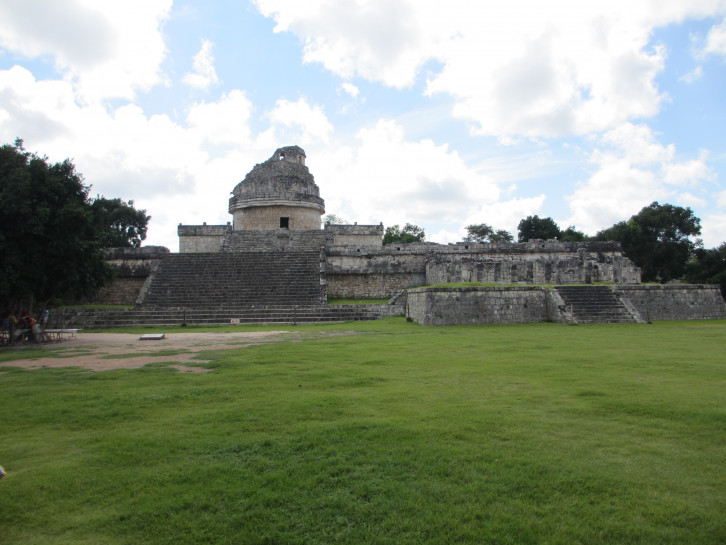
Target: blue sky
point(441, 114)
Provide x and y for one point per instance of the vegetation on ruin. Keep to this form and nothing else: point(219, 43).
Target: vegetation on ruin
point(52, 234)
point(409, 233)
point(380, 432)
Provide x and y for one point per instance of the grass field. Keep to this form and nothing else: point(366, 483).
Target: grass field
point(380, 432)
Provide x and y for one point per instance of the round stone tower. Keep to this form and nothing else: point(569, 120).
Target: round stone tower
point(278, 194)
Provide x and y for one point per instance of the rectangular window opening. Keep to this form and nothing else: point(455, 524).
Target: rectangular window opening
point(284, 223)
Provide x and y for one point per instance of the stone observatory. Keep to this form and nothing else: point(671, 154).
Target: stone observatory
point(278, 194)
point(277, 265)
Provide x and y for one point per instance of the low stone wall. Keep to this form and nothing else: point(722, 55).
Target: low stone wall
point(371, 286)
point(459, 306)
point(120, 291)
point(455, 306)
point(675, 301)
point(201, 238)
point(381, 310)
point(355, 235)
point(132, 267)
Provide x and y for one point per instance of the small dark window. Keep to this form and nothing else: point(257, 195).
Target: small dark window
point(284, 223)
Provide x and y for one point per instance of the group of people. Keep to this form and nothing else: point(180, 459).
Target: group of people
point(16, 329)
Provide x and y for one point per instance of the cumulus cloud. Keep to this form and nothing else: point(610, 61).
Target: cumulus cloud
point(384, 177)
point(633, 169)
point(204, 74)
point(109, 49)
point(716, 40)
point(351, 89)
point(300, 122)
point(379, 40)
point(225, 121)
point(522, 68)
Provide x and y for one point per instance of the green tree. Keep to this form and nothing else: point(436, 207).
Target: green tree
point(658, 240)
point(335, 220)
point(118, 223)
point(573, 235)
point(708, 267)
point(483, 233)
point(48, 240)
point(534, 227)
point(409, 233)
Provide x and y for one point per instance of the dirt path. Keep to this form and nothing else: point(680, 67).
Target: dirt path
point(108, 351)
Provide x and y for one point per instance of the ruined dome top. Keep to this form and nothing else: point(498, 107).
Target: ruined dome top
point(282, 178)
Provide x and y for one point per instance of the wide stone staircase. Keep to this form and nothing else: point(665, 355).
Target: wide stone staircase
point(271, 287)
point(595, 305)
point(106, 318)
point(229, 280)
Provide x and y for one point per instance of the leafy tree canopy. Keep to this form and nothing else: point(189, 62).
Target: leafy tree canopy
point(334, 219)
point(51, 234)
point(572, 235)
point(658, 240)
point(534, 227)
point(483, 233)
point(708, 267)
point(118, 223)
point(409, 233)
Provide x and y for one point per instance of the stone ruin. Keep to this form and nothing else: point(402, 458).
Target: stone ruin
point(275, 255)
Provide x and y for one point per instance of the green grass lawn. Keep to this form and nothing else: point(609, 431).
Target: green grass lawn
point(542, 433)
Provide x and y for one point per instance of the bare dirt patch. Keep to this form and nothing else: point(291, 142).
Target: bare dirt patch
point(109, 351)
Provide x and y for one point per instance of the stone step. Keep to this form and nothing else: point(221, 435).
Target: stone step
point(280, 315)
point(594, 304)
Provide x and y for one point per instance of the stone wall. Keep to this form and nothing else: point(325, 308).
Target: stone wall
point(201, 238)
point(275, 240)
point(675, 302)
point(534, 262)
point(459, 306)
point(372, 285)
point(520, 304)
point(267, 216)
point(120, 291)
point(132, 267)
point(355, 235)
point(365, 271)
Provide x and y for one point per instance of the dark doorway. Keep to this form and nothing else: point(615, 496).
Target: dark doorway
point(284, 223)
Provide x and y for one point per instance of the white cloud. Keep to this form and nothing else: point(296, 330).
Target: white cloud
point(300, 122)
point(351, 89)
point(716, 39)
point(691, 200)
point(225, 121)
point(527, 68)
point(108, 49)
point(204, 74)
point(713, 229)
point(693, 75)
point(632, 170)
point(383, 177)
point(506, 214)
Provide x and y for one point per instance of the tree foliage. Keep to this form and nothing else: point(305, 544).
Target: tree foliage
point(708, 267)
point(409, 233)
point(51, 236)
point(572, 235)
point(534, 227)
point(483, 233)
point(334, 219)
point(118, 223)
point(658, 240)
